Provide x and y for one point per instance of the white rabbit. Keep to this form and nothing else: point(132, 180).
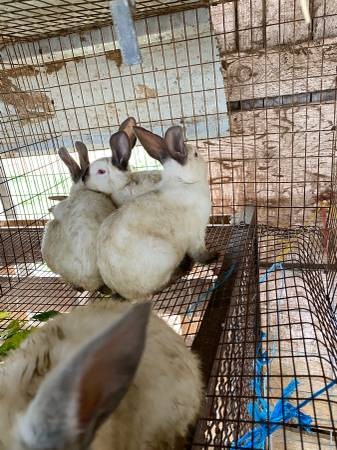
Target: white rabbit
point(143, 242)
point(69, 240)
point(112, 176)
point(72, 387)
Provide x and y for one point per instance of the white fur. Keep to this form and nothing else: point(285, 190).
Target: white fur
point(121, 185)
point(69, 241)
point(29, 432)
point(143, 242)
point(162, 401)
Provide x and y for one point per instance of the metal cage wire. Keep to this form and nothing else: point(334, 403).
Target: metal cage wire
point(29, 19)
point(265, 124)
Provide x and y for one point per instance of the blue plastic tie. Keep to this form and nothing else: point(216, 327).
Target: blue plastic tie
point(271, 419)
point(222, 278)
point(276, 266)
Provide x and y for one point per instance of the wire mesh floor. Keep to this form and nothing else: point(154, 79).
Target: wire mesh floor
point(29, 286)
point(265, 295)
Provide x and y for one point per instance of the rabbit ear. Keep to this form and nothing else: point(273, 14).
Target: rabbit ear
point(153, 144)
point(72, 165)
point(174, 138)
point(75, 399)
point(127, 127)
point(121, 150)
point(83, 155)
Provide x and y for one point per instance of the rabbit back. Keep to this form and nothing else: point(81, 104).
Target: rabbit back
point(137, 250)
point(69, 241)
point(161, 403)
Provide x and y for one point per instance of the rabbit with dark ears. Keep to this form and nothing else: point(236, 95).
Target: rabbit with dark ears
point(132, 386)
point(69, 240)
point(112, 175)
point(141, 245)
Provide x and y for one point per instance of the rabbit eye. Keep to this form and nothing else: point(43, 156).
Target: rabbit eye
point(196, 154)
point(100, 171)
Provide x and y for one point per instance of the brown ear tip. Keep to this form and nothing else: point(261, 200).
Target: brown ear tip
point(81, 147)
point(62, 151)
point(130, 121)
point(119, 134)
point(176, 129)
point(138, 129)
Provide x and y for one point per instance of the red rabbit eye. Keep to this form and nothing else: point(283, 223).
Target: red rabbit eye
point(100, 171)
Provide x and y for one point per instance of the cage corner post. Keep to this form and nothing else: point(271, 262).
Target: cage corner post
point(121, 11)
point(233, 306)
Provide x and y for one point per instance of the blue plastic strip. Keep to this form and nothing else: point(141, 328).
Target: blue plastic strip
point(222, 278)
point(276, 266)
point(271, 419)
point(264, 277)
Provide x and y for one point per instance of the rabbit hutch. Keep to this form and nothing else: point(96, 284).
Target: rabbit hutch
point(253, 83)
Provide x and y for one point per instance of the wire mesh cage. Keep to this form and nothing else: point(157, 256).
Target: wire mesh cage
point(254, 86)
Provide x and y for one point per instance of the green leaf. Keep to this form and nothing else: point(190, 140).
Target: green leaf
point(4, 315)
point(14, 333)
point(14, 324)
point(13, 327)
point(45, 316)
point(14, 341)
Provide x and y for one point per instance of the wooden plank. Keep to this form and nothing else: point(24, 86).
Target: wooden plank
point(22, 223)
point(283, 11)
point(251, 23)
point(319, 143)
point(285, 23)
point(254, 24)
point(312, 117)
point(324, 18)
point(223, 23)
point(325, 7)
point(296, 440)
point(284, 70)
point(279, 158)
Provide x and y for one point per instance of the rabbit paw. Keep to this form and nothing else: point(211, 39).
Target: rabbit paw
point(208, 256)
point(105, 290)
point(186, 264)
point(76, 288)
